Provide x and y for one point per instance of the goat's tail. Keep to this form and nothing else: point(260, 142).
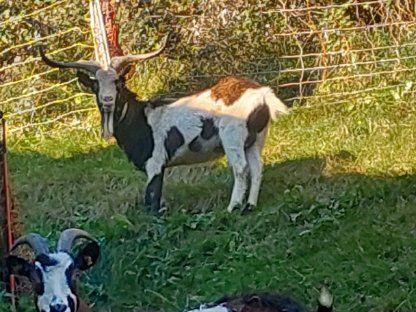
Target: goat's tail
point(276, 106)
point(325, 301)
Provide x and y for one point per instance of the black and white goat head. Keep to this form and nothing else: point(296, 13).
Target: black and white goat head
point(52, 273)
point(265, 302)
point(229, 118)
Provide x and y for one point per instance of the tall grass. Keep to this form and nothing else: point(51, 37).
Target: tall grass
point(336, 208)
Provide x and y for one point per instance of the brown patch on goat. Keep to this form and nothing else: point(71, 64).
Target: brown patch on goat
point(230, 89)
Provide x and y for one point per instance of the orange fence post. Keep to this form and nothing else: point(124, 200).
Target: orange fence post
point(7, 210)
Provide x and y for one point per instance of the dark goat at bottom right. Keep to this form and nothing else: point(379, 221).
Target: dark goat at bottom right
point(265, 302)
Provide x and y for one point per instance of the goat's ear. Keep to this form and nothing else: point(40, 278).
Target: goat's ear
point(122, 79)
point(87, 256)
point(19, 266)
point(86, 81)
point(253, 301)
point(127, 72)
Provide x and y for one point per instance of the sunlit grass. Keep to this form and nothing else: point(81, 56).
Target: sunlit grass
point(336, 207)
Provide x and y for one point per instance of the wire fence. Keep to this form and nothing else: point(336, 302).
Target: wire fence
point(311, 52)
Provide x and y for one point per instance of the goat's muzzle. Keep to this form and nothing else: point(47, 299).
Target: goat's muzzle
point(108, 107)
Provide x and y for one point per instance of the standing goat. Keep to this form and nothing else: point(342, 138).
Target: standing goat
point(265, 302)
point(52, 273)
point(229, 118)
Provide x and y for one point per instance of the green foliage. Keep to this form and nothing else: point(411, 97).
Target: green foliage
point(211, 39)
point(336, 207)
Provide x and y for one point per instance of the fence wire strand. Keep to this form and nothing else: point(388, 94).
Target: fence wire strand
point(34, 13)
point(58, 85)
point(327, 7)
point(35, 108)
point(36, 40)
point(50, 121)
point(36, 76)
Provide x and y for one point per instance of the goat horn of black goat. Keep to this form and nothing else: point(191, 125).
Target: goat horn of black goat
point(68, 236)
point(35, 241)
point(119, 63)
point(90, 66)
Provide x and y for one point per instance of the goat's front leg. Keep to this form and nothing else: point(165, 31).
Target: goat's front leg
point(153, 194)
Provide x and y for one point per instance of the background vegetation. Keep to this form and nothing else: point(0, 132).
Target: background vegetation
point(338, 195)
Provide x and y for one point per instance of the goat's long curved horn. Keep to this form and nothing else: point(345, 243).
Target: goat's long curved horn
point(90, 66)
point(68, 236)
point(35, 241)
point(119, 63)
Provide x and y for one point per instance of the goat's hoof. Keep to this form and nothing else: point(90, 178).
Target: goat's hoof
point(163, 209)
point(231, 208)
point(164, 206)
point(248, 208)
point(152, 210)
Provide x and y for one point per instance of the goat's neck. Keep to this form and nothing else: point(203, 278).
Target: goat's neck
point(132, 132)
point(134, 106)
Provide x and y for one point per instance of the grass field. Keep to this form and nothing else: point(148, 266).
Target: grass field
point(337, 207)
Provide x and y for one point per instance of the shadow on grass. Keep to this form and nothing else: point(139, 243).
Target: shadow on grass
point(353, 231)
point(105, 175)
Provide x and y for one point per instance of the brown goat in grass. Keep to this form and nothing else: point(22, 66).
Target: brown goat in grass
point(265, 302)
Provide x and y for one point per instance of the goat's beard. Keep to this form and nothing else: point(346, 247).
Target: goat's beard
point(107, 125)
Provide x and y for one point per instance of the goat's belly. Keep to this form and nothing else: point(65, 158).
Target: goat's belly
point(193, 158)
point(186, 156)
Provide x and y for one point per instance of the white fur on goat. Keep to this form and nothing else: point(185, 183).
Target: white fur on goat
point(231, 122)
point(56, 292)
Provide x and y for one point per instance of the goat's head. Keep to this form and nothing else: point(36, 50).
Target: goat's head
point(52, 273)
point(105, 82)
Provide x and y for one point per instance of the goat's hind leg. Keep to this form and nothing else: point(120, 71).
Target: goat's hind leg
point(240, 183)
point(255, 164)
point(233, 143)
point(240, 170)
